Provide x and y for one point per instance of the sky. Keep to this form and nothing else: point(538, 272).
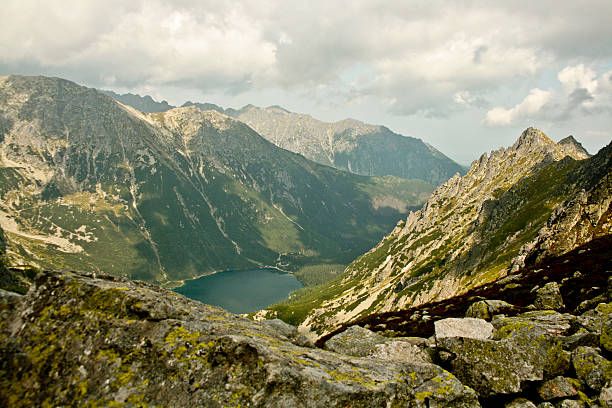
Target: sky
point(465, 76)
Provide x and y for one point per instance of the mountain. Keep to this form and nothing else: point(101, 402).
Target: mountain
point(89, 184)
point(141, 103)
point(350, 145)
point(513, 207)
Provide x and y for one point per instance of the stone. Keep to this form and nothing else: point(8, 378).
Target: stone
point(543, 321)
point(605, 339)
point(486, 309)
point(398, 350)
point(558, 387)
point(605, 396)
point(355, 341)
point(467, 327)
point(8, 300)
point(580, 338)
point(545, 405)
point(568, 403)
point(591, 368)
point(492, 367)
point(284, 329)
point(74, 340)
point(520, 403)
point(549, 297)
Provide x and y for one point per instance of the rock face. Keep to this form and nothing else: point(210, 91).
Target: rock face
point(350, 145)
point(78, 340)
point(514, 208)
point(89, 184)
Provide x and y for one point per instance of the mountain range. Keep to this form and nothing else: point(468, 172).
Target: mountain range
point(514, 207)
point(348, 144)
point(91, 184)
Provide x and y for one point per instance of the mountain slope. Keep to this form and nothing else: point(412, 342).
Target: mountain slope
point(350, 145)
point(471, 231)
point(89, 184)
point(141, 103)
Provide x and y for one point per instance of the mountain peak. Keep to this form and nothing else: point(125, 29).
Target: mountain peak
point(571, 145)
point(532, 138)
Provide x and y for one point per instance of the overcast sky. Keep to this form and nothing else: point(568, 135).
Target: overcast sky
point(465, 76)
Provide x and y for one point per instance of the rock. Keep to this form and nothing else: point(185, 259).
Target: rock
point(75, 340)
point(491, 367)
point(545, 405)
point(8, 300)
point(543, 321)
point(355, 341)
point(605, 340)
point(467, 327)
point(605, 396)
point(400, 351)
point(591, 368)
point(486, 309)
point(558, 387)
point(549, 297)
point(520, 403)
point(282, 328)
point(580, 338)
point(568, 403)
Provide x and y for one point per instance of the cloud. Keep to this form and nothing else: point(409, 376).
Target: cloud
point(418, 55)
point(580, 92)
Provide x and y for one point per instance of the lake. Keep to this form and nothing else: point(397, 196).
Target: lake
point(241, 291)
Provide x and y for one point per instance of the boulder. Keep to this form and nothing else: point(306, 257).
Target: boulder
point(76, 340)
point(467, 327)
point(542, 321)
point(568, 403)
point(545, 405)
point(491, 367)
point(520, 403)
point(355, 341)
point(558, 387)
point(289, 331)
point(397, 350)
point(591, 368)
point(549, 297)
point(605, 396)
point(486, 309)
point(605, 339)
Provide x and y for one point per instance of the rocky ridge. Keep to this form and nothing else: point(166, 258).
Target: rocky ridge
point(476, 228)
point(89, 184)
point(350, 145)
point(85, 340)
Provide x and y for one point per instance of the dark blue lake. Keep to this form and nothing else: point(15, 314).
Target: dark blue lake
point(241, 291)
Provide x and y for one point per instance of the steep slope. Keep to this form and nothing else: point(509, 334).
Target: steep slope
point(471, 230)
point(89, 184)
point(348, 145)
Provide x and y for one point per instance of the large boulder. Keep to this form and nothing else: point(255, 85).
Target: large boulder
point(558, 387)
point(486, 309)
point(76, 340)
point(524, 352)
point(591, 368)
point(549, 297)
point(467, 327)
point(355, 341)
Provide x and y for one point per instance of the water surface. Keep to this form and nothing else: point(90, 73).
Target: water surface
point(241, 291)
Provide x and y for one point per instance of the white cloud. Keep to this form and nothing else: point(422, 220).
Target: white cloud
point(419, 54)
point(581, 92)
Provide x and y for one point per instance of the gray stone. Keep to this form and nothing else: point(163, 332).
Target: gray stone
point(520, 403)
point(605, 396)
point(282, 328)
point(486, 309)
point(545, 405)
point(398, 350)
point(558, 387)
point(568, 403)
point(605, 339)
point(591, 368)
point(492, 367)
point(355, 341)
point(467, 327)
point(549, 297)
point(542, 321)
point(78, 341)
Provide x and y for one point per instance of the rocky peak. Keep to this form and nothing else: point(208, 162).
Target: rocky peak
point(573, 147)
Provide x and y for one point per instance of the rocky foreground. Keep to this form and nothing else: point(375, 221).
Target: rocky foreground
point(82, 340)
